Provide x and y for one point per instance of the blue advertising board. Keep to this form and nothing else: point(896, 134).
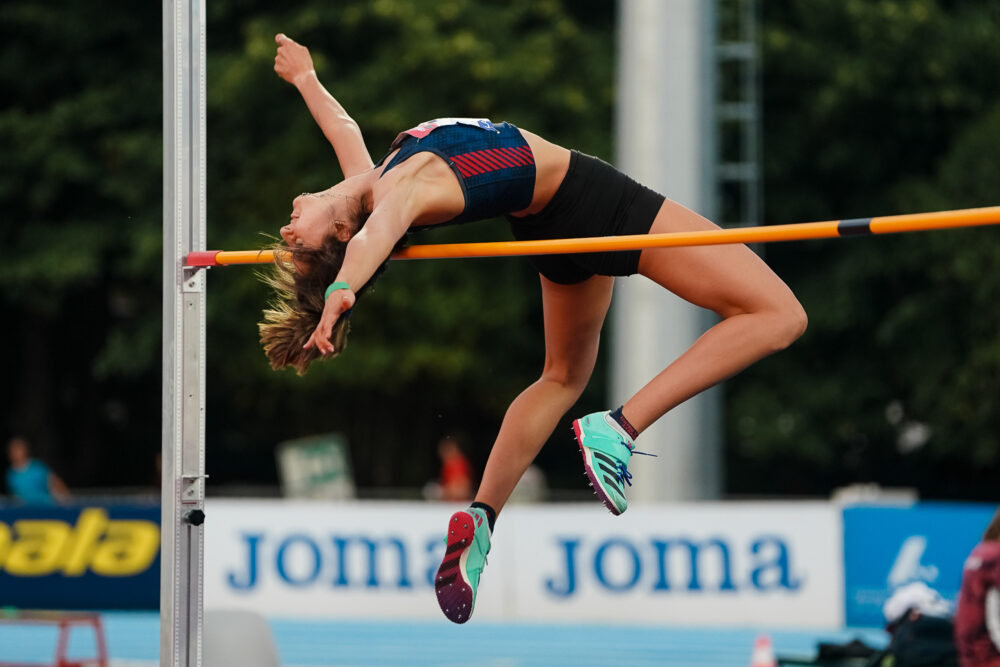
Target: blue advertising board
point(80, 557)
point(886, 547)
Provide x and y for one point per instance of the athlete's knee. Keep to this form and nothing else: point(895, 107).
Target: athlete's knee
point(572, 380)
point(789, 323)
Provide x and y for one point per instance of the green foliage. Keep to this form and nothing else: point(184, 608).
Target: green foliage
point(875, 108)
point(80, 247)
point(438, 346)
point(871, 107)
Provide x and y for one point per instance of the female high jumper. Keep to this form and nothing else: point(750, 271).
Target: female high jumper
point(457, 170)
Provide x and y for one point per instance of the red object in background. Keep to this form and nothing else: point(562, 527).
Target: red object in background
point(65, 621)
point(456, 472)
point(763, 653)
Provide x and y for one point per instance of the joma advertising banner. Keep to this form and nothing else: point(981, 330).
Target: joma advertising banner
point(706, 563)
point(81, 557)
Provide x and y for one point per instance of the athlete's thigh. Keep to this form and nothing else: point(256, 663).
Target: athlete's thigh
point(728, 279)
point(573, 317)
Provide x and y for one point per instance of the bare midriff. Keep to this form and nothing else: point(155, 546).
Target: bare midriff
point(551, 165)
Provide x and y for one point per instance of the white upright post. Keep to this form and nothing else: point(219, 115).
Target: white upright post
point(666, 140)
point(183, 495)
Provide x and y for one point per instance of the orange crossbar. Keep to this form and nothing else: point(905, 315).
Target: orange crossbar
point(891, 224)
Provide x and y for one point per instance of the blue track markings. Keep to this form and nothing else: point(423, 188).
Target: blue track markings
point(133, 640)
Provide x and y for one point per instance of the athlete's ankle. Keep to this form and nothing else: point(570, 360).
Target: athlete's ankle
point(620, 419)
point(491, 514)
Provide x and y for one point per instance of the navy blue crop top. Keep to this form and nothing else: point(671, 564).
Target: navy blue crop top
point(493, 163)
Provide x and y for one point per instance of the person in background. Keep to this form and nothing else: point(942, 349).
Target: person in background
point(456, 472)
point(921, 628)
point(977, 621)
point(30, 480)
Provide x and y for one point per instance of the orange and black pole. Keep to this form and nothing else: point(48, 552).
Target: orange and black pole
point(891, 224)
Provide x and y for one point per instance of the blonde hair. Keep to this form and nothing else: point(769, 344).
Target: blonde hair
point(299, 278)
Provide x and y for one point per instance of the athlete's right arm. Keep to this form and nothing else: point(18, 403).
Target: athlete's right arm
point(365, 253)
point(294, 64)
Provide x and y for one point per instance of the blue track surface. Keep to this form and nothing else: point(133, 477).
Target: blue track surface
point(135, 638)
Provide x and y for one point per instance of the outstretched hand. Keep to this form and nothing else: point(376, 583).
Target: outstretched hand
point(293, 60)
point(340, 301)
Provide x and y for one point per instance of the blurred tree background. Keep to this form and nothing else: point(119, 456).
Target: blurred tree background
point(874, 108)
point(871, 107)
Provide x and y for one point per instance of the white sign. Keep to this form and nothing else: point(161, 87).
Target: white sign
point(316, 467)
point(705, 564)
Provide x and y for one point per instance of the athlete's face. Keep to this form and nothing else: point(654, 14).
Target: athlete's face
point(315, 217)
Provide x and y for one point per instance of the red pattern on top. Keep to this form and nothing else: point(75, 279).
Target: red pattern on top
point(492, 159)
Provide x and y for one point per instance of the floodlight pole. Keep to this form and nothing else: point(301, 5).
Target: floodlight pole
point(665, 139)
point(183, 438)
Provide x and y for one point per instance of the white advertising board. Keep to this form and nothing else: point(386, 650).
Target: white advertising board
point(703, 563)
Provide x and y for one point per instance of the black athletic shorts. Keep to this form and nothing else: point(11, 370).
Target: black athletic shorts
point(594, 199)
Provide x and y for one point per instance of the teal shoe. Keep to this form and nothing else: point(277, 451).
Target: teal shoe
point(457, 579)
point(606, 450)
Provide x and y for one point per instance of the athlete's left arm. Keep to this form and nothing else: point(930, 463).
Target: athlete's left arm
point(366, 252)
point(294, 64)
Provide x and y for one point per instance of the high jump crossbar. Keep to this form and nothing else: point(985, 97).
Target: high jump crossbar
point(890, 224)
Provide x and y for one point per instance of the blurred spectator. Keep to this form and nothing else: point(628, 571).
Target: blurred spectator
point(919, 622)
point(456, 472)
point(30, 480)
point(455, 480)
point(977, 623)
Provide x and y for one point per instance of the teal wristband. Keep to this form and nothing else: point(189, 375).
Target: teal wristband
point(340, 284)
